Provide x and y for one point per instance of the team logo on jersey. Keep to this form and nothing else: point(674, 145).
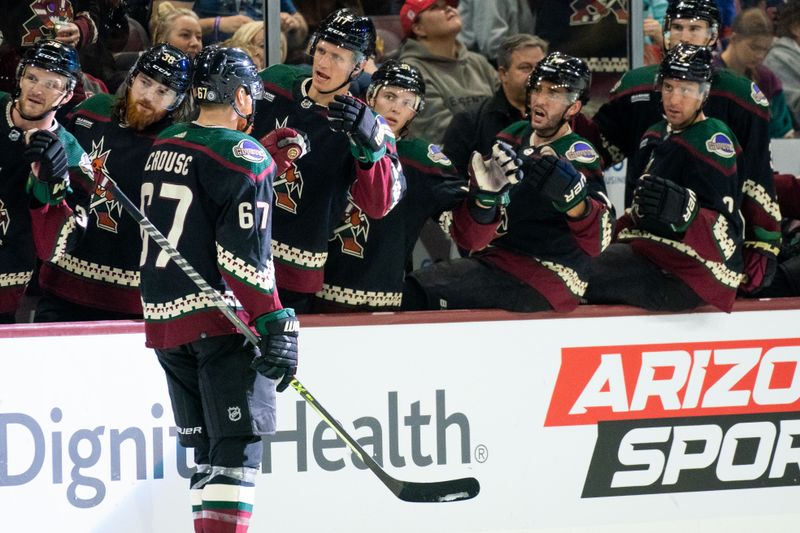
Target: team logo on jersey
point(249, 151)
point(721, 144)
point(436, 155)
point(353, 233)
point(289, 189)
point(5, 219)
point(234, 413)
point(103, 204)
point(46, 15)
point(582, 152)
point(758, 96)
point(593, 11)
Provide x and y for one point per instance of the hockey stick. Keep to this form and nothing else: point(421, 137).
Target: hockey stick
point(409, 491)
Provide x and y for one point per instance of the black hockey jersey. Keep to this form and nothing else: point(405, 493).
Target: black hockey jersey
point(708, 257)
point(367, 257)
point(102, 271)
point(543, 247)
point(311, 196)
point(25, 233)
point(209, 191)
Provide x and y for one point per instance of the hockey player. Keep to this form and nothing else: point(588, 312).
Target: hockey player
point(353, 156)
point(208, 187)
point(99, 280)
point(37, 158)
point(557, 217)
point(367, 257)
point(680, 243)
point(634, 106)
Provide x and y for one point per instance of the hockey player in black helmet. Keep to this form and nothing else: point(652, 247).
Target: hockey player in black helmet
point(117, 133)
point(557, 217)
point(353, 155)
point(38, 161)
point(680, 243)
point(367, 257)
point(634, 105)
point(208, 186)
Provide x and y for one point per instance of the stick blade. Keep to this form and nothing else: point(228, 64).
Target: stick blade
point(438, 492)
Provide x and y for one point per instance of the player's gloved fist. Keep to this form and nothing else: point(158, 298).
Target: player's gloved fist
point(278, 346)
point(664, 201)
point(759, 269)
point(285, 145)
point(48, 160)
point(555, 178)
point(491, 177)
point(352, 116)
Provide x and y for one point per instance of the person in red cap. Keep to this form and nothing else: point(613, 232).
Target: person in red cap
point(456, 78)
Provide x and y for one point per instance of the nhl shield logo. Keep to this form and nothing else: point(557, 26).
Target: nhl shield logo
point(234, 414)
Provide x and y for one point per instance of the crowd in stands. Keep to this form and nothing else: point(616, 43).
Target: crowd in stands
point(445, 80)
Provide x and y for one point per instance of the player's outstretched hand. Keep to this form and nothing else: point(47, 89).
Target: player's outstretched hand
point(278, 346)
point(350, 115)
point(491, 177)
point(664, 201)
point(285, 145)
point(554, 177)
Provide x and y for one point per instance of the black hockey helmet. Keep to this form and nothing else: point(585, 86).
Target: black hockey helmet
point(220, 71)
point(564, 71)
point(399, 74)
point(686, 62)
point(348, 30)
point(168, 66)
point(693, 10)
point(54, 56)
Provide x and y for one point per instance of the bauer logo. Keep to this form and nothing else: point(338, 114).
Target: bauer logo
point(721, 144)
point(581, 152)
point(249, 151)
point(684, 417)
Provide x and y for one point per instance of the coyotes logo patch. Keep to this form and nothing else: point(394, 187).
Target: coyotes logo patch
point(353, 233)
point(5, 220)
point(105, 208)
point(45, 14)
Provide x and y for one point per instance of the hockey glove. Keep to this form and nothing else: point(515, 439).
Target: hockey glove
point(491, 178)
point(353, 117)
point(759, 270)
point(48, 160)
point(556, 179)
point(664, 201)
point(285, 145)
point(278, 346)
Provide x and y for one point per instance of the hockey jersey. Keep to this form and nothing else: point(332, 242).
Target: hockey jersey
point(708, 256)
point(367, 257)
point(543, 247)
point(634, 105)
point(26, 232)
point(209, 191)
point(312, 195)
point(102, 271)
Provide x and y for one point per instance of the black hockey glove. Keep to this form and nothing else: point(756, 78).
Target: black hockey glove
point(555, 178)
point(491, 178)
point(49, 159)
point(353, 117)
point(278, 346)
point(664, 201)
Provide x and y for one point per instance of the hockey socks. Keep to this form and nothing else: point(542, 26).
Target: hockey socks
point(227, 500)
point(196, 484)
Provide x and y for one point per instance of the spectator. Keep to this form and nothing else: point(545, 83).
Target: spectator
point(680, 244)
point(487, 24)
point(179, 27)
point(749, 43)
point(455, 78)
point(557, 218)
point(252, 35)
point(220, 385)
point(634, 106)
point(352, 159)
point(367, 257)
point(475, 129)
point(784, 56)
point(220, 19)
point(99, 279)
point(97, 59)
point(37, 159)
point(654, 11)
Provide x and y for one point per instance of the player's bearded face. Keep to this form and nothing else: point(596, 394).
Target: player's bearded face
point(147, 102)
point(548, 103)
